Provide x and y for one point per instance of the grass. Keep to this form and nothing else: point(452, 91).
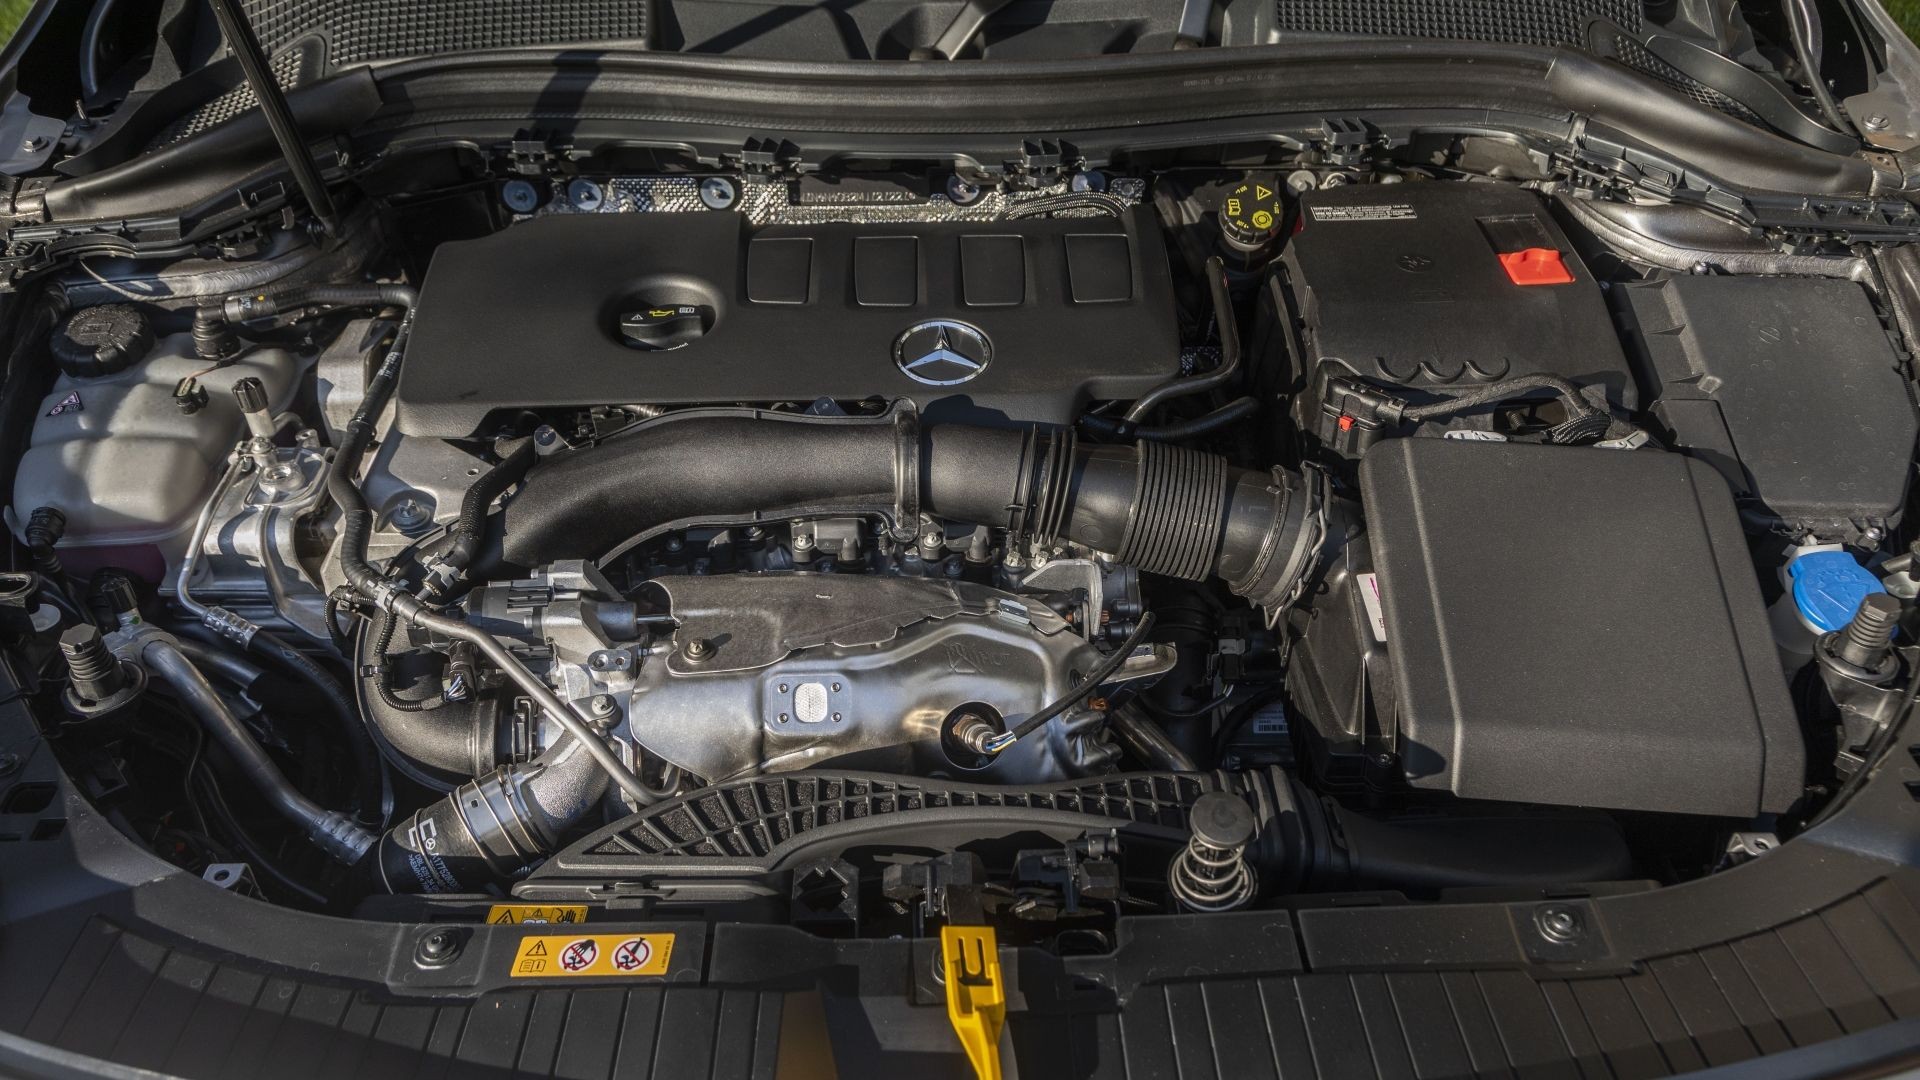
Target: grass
point(1907, 13)
point(11, 12)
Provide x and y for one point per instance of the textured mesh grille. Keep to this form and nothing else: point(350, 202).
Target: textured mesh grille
point(359, 30)
point(286, 72)
point(1525, 22)
point(753, 818)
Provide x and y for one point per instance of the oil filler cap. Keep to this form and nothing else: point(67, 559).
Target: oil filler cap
point(1536, 266)
point(662, 327)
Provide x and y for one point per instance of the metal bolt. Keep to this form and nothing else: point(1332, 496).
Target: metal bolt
point(410, 514)
point(584, 194)
point(836, 718)
point(718, 193)
point(520, 196)
point(783, 688)
point(35, 144)
point(961, 191)
point(836, 688)
point(601, 706)
point(88, 661)
point(1867, 641)
point(783, 718)
point(438, 947)
point(698, 649)
point(1559, 923)
point(1877, 122)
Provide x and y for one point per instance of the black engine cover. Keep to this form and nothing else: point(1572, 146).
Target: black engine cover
point(1050, 314)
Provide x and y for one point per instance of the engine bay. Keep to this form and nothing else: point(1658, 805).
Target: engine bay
point(849, 553)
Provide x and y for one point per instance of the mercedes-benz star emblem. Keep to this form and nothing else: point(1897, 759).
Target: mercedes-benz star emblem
point(942, 352)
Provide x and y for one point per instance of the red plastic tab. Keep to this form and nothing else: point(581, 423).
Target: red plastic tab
point(1536, 266)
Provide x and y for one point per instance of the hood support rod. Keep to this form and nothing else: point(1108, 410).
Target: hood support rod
point(273, 101)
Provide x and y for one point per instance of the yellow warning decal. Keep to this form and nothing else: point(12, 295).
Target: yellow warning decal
point(580, 956)
point(1261, 191)
point(519, 914)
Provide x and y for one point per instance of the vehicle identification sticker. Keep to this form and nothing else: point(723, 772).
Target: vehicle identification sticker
point(517, 914)
point(1380, 212)
point(1370, 596)
point(580, 956)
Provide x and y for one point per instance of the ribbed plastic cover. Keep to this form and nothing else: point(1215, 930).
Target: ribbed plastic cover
point(753, 818)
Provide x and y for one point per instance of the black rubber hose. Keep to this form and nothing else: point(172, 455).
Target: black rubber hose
point(1577, 404)
point(1159, 508)
point(433, 746)
point(1225, 416)
point(469, 532)
point(491, 828)
point(45, 526)
point(259, 305)
point(366, 757)
point(332, 831)
point(1223, 372)
point(356, 521)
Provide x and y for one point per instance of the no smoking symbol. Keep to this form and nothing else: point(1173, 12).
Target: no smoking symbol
point(579, 954)
point(632, 955)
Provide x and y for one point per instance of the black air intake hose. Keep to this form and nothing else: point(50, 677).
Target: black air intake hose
point(1161, 509)
point(492, 828)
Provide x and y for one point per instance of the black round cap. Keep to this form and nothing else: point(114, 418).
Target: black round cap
point(101, 340)
point(1251, 214)
point(1221, 820)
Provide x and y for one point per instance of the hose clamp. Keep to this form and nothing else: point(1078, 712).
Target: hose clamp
point(229, 625)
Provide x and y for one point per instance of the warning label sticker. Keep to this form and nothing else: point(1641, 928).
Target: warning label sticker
point(1370, 596)
point(570, 956)
point(69, 404)
point(529, 914)
point(1376, 212)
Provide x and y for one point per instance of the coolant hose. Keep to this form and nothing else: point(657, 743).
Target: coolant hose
point(346, 716)
point(1223, 372)
point(1158, 508)
point(356, 521)
point(331, 831)
point(258, 305)
point(469, 531)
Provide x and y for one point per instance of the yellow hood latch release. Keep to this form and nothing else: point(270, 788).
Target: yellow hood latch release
point(976, 996)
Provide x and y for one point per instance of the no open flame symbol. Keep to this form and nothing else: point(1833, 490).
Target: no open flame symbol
point(632, 954)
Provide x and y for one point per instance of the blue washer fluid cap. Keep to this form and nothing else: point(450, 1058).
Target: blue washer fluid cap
point(1828, 587)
